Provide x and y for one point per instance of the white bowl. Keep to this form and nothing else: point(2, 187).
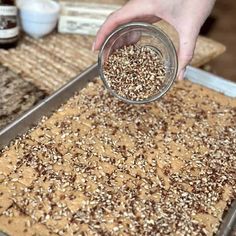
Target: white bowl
point(39, 17)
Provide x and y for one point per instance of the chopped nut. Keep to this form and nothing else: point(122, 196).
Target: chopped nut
point(135, 72)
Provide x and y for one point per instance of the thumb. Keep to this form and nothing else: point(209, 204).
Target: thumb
point(187, 43)
point(129, 12)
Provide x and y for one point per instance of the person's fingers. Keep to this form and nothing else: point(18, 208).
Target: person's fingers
point(129, 12)
point(127, 39)
point(111, 22)
point(187, 42)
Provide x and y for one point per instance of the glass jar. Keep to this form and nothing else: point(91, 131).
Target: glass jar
point(9, 29)
point(141, 34)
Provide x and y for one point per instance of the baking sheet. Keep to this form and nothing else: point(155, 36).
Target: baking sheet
point(51, 103)
point(2, 234)
point(211, 81)
point(228, 225)
point(46, 107)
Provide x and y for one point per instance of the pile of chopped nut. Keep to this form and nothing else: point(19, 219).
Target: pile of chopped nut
point(135, 72)
point(99, 166)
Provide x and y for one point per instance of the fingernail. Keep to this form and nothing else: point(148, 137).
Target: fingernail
point(93, 47)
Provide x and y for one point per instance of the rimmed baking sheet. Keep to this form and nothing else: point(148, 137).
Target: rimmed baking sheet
point(51, 103)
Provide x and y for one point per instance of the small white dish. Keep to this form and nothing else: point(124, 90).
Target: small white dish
point(38, 17)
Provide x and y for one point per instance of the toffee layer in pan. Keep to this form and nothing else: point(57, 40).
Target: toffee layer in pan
point(99, 166)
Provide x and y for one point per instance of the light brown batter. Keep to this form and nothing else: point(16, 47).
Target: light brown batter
point(98, 166)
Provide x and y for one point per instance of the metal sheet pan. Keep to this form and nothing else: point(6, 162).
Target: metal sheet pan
point(46, 107)
point(228, 225)
point(211, 81)
point(50, 104)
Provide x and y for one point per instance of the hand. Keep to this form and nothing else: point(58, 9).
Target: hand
point(187, 16)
